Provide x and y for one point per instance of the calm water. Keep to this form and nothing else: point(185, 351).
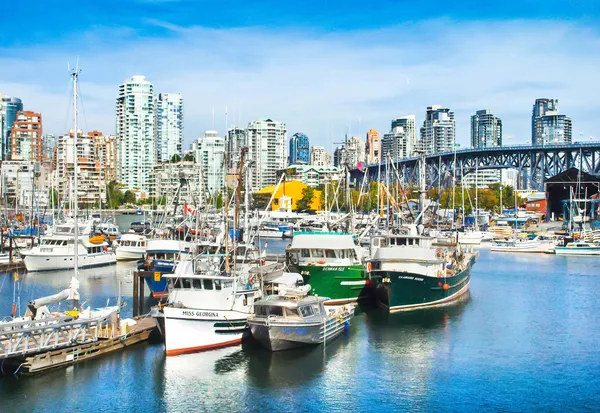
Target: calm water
point(526, 339)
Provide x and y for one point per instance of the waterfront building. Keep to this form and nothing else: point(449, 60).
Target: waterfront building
point(299, 149)
point(210, 155)
point(373, 146)
point(48, 145)
point(136, 132)
point(548, 127)
point(26, 137)
point(356, 151)
point(18, 181)
point(486, 130)
point(293, 190)
point(311, 175)
point(169, 126)
point(236, 140)
point(438, 131)
point(400, 142)
point(339, 157)
point(319, 157)
point(166, 177)
point(267, 149)
point(96, 165)
point(9, 107)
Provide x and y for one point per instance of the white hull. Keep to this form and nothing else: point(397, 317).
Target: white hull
point(130, 253)
point(270, 234)
point(192, 330)
point(469, 241)
point(66, 262)
point(538, 248)
point(576, 251)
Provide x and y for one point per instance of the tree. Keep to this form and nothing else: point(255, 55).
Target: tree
point(260, 200)
point(304, 203)
point(129, 197)
point(175, 158)
point(189, 157)
point(53, 197)
point(114, 195)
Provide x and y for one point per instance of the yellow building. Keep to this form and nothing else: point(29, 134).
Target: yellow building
point(293, 190)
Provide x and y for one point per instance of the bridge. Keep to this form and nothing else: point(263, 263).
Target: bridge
point(534, 163)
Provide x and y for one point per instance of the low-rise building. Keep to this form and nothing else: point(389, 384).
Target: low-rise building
point(166, 178)
point(311, 175)
point(291, 190)
point(19, 181)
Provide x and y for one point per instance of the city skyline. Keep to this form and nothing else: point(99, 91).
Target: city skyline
point(290, 65)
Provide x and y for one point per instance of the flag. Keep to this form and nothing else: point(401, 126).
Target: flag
point(359, 166)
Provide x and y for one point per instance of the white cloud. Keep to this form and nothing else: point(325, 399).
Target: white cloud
point(322, 83)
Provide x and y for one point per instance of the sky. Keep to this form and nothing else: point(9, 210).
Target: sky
point(325, 68)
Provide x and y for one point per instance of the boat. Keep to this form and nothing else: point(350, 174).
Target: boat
point(131, 246)
point(284, 322)
point(56, 251)
point(330, 262)
point(578, 248)
point(532, 244)
point(162, 255)
point(406, 272)
point(208, 305)
point(141, 227)
point(270, 231)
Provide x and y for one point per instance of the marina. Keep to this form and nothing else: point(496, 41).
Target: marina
point(438, 353)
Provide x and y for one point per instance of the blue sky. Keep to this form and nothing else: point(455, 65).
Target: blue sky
point(324, 68)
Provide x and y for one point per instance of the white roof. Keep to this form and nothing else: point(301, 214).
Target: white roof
point(325, 240)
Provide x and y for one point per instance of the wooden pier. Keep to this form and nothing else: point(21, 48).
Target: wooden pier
point(65, 357)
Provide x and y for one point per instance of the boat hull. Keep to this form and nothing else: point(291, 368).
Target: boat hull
point(402, 291)
point(157, 284)
point(34, 262)
point(342, 284)
point(577, 251)
point(190, 330)
point(129, 254)
point(277, 336)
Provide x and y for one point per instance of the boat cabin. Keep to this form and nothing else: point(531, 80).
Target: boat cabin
point(290, 309)
point(323, 249)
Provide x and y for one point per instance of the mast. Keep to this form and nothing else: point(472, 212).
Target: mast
point(75, 75)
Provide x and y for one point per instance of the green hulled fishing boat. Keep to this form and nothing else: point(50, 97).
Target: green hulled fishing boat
point(330, 262)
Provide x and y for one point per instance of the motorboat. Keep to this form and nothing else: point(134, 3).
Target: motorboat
point(578, 248)
point(56, 251)
point(535, 244)
point(131, 246)
point(287, 321)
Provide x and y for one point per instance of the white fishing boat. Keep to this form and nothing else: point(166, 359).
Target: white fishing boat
point(267, 231)
point(207, 307)
point(578, 248)
point(56, 252)
point(537, 244)
point(131, 246)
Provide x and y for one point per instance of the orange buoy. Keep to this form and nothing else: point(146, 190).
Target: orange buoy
point(369, 266)
point(446, 287)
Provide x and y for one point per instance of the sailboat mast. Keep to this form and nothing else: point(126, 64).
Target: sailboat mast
point(75, 74)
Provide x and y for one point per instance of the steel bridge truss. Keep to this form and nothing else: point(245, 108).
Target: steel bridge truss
point(534, 163)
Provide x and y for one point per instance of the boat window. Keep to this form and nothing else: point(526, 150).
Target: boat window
point(306, 311)
point(317, 253)
point(330, 253)
point(376, 242)
point(217, 284)
point(187, 283)
point(276, 311)
point(291, 313)
point(178, 283)
point(197, 284)
point(260, 310)
point(305, 253)
point(207, 284)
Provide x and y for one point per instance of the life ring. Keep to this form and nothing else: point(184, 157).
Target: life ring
point(321, 262)
point(251, 280)
point(369, 266)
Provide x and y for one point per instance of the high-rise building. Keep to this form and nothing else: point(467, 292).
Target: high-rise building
point(438, 131)
point(548, 126)
point(373, 146)
point(339, 157)
point(9, 107)
point(319, 157)
point(48, 145)
point(486, 130)
point(169, 126)
point(400, 142)
point(95, 161)
point(299, 149)
point(355, 151)
point(26, 137)
point(236, 140)
point(210, 154)
point(267, 148)
point(136, 132)
point(540, 107)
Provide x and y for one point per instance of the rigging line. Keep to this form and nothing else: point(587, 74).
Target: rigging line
point(80, 96)
point(68, 112)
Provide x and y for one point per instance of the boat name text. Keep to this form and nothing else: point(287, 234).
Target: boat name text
point(407, 277)
point(200, 313)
